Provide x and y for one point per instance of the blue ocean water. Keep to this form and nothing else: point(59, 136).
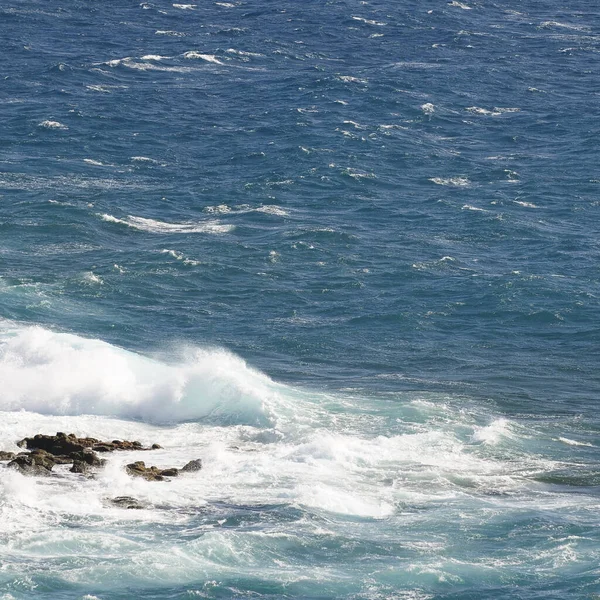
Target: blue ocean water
point(345, 252)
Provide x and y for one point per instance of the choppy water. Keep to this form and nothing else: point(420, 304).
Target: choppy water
point(346, 253)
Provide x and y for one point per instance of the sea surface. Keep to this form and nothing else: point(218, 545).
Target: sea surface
point(345, 252)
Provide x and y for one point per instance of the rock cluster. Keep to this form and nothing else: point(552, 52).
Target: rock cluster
point(46, 451)
point(139, 469)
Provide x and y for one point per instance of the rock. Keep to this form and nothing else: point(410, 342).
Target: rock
point(6, 455)
point(126, 502)
point(80, 466)
point(32, 464)
point(59, 444)
point(89, 457)
point(193, 465)
point(156, 447)
point(63, 444)
point(170, 472)
point(139, 469)
point(41, 458)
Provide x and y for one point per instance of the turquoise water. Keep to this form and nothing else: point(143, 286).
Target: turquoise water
point(344, 252)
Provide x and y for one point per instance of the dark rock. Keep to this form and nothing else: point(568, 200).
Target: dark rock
point(42, 458)
point(89, 457)
point(170, 472)
point(126, 502)
point(32, 464)
point(156, 447)
point(193, 465)
point(63, 444)
point(59, 444)
point(60, 459)
point(6, 455)
point(139, 469)
point(80, 466)
point(103, 447)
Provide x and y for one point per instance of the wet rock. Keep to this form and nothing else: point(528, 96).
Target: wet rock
point(63, 444)
point(193, 465)
point(6, 455)
point(41, 458)
point(89, 457)
point(59, 444)
point(32, 464)
point(80, 466)
point(139, 469)
point(170, 472)
point(126, 502)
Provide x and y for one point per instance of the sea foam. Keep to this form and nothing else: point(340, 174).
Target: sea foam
point(155, 226)
point(63, 374)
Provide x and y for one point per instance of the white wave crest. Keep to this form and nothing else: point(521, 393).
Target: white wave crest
point(460, 5)
point(496, 112)
point(52, 125)
point(179, 256)
point(207, 57)
point(63, 374)
point(155, 226)
point(370, 21)
point(455, 181)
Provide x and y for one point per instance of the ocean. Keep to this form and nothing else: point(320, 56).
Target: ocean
point(344, 252)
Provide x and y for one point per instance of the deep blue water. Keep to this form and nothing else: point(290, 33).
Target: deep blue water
point(384, 205)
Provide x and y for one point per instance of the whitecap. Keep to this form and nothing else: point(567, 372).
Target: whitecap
point(169, 32)
point(144, 159)
point(179, 256)
point(91, 161)
point(570, 442)
point(207, 57)
point(351, 79)
point(92, 279)
point(271, 209)
point(455, 181)
point(355, 124)
point(155, 226)
point(497, 111)
point(52, 125)
point(63, 374)
point(243, 53)
point(475, 208)
point(459, 5)
point(494, 432)
point(548, 24)
point(428, 108)
point(99, 88)
point(369, 21)
point(185, 6)
point(357, 174)
point(526, 204)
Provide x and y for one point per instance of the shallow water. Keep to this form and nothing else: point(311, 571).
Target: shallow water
point(346, 253)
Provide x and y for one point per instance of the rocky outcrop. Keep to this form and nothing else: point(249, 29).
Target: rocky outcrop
point(63, 444)
point(46, 451)
point(193, 465)
point(139, 469)
point(33, 463)
point(61, 449)
point(126, 502)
